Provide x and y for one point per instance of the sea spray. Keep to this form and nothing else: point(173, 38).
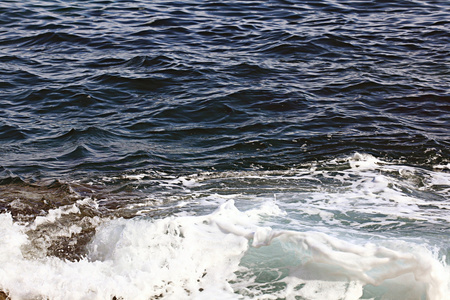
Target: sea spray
point(220, 254)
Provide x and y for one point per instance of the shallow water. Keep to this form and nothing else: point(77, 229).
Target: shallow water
point(244, 150)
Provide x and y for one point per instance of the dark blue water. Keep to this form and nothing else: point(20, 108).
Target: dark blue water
point(113, 86)
point(93, 93)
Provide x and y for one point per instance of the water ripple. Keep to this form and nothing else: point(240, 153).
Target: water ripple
point(117, 85)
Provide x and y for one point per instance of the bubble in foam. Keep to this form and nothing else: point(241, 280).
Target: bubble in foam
point(362, 161)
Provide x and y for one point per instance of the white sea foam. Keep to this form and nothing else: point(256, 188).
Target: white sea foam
point(228, 254)
point(355, 228)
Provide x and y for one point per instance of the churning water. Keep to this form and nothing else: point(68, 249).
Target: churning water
point(225, 149)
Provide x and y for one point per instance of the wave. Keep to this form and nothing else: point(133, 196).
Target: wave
point(170, 77)
point(11, 133)
point(223, 255)
point(355, 227)
point(49, 38)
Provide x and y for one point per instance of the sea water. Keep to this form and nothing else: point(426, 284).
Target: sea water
point(370, 232)
point(224, 150)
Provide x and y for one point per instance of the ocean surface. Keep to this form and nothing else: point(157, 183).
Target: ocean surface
point(225, 149)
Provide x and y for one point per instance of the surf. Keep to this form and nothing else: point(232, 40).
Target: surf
point(228, 254)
